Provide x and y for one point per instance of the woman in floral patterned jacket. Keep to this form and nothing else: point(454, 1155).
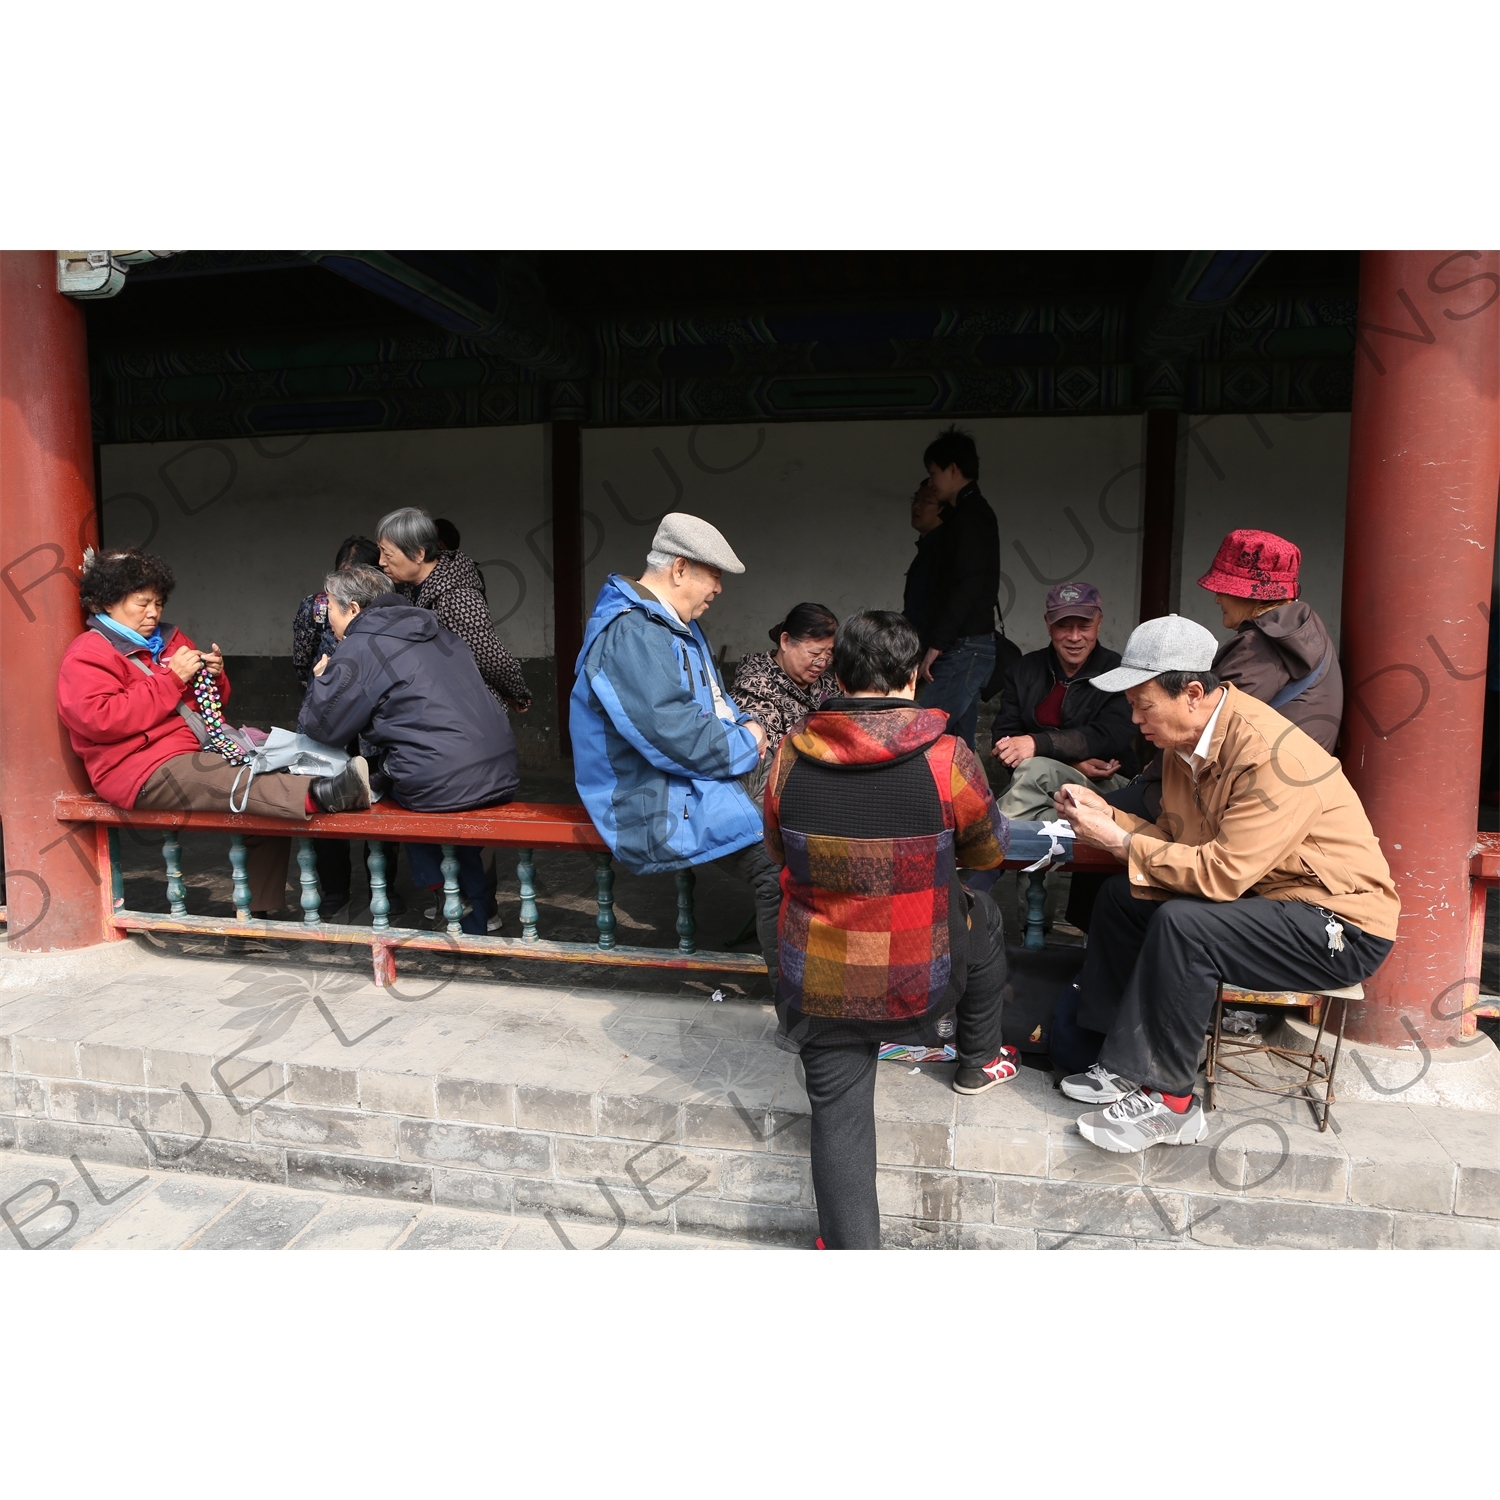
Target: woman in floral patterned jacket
point(782, 686)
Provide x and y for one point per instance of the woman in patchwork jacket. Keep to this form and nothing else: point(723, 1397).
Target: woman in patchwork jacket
point(872, 807)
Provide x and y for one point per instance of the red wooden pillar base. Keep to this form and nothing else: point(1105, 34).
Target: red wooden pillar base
point(46, 519)
point(1424, 463)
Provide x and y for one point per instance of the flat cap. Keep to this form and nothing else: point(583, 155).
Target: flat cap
point(682, 535)
point(1170, 644)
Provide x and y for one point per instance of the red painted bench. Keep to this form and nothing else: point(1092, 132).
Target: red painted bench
point(522, 826)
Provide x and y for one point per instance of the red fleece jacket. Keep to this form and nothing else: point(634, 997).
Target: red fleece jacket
point(122, 723)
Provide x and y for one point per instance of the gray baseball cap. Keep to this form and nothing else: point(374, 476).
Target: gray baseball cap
point(1170, 644)
point(682, 535)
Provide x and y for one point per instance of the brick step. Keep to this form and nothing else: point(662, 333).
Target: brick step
point(671, 1112)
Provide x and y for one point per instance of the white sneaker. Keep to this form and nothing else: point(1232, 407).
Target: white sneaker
point(1097, 1086)
point(1141, 1119)
point(432, 912)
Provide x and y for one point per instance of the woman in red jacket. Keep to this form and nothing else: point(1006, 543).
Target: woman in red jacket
point(126, 692)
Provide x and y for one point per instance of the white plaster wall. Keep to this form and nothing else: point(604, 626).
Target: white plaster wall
point(1283, 474)
point(250, 525)
point(819, 511)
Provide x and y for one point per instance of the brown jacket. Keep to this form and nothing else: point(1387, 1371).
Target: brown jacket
point(1270, 813)
point(1282, 646)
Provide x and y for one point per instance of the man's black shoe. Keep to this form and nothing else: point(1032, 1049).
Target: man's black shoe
point(349, 791)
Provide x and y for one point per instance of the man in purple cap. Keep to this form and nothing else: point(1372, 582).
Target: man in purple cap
point(1054, 728)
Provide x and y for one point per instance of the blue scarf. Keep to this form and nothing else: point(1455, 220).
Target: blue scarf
point(153, 642)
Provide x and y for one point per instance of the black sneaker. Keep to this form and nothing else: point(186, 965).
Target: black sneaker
point(349, 791)
point(997, 1070)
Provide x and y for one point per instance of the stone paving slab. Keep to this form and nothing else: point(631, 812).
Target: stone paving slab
point(634, 1110)
point(151, 1211)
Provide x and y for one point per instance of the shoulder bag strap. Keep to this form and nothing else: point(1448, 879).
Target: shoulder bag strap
point(1301, 685)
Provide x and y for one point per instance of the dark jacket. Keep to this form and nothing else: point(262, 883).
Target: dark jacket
point(919, 600)
point(411, 688)
point(454, 592)
point(954, 584)
point(1094, 725)
point(872, 807)
point(1278, 648)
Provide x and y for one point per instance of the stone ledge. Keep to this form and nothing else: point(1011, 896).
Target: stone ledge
point(624, 1108)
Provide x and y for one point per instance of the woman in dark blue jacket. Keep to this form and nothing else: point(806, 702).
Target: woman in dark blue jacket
point(409, 686)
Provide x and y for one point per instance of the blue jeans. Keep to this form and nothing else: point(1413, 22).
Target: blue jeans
point(958, 678)
point(426, 864)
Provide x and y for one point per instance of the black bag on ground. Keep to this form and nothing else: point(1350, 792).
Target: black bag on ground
point(1035, 979)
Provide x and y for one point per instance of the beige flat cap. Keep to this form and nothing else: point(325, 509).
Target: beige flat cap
point(682, 535)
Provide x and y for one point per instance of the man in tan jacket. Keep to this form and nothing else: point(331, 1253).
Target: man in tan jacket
point(1262, 871)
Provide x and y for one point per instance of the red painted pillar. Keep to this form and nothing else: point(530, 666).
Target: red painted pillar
point(1424, 464)
point(46, 519)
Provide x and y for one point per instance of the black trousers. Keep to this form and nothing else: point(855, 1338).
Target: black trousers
point(762, 874)
point(1153, 968)
point(840, 1078)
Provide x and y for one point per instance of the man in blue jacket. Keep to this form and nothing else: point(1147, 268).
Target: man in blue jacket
point(658, 746)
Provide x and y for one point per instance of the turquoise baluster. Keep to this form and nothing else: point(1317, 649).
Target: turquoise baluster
point(687, 926)
point(307, 863)
point(380, 902)
point(1036, 909)
point(238, 867)
point(604, 878)
point(453, 906)
point(526, 874)
point(116, 870)
point(176, 890)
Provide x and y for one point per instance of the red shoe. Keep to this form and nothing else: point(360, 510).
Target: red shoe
point(818, 1243)
point(977, 1080)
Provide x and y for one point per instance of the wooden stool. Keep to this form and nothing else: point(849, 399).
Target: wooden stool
point(1320, 1068)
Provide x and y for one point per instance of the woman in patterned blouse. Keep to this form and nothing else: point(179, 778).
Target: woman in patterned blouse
point(312, 636)
point(781, 686)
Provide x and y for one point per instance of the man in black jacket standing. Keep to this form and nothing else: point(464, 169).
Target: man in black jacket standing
point(954, 586)
point(1054, 728)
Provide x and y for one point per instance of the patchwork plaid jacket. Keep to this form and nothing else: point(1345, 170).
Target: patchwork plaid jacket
point(871, 807)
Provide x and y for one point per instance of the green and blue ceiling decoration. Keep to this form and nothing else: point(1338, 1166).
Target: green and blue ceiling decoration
point(477, 341)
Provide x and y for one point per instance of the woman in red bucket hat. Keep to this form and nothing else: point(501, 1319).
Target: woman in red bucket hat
point(1281, 651)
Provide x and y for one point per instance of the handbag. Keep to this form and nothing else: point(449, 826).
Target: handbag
point(1007, 654)
point(301, 754)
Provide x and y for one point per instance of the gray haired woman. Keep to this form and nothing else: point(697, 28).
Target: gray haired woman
point(413, 558)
